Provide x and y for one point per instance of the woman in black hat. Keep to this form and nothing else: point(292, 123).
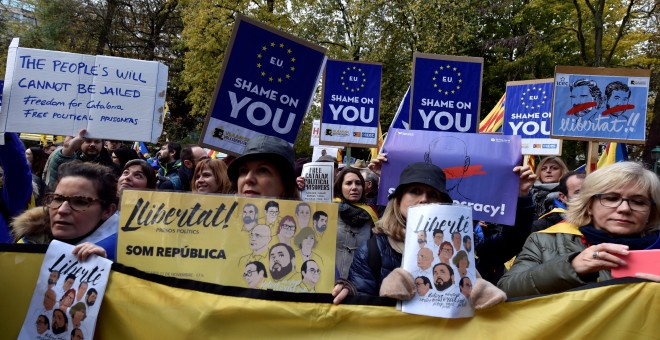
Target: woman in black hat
point(376, 266)
point(264, 170)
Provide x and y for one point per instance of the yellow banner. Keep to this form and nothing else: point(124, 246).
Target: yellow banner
point(136, 307)
point(244, 242)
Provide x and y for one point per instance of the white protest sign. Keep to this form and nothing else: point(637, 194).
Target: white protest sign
point(323, 150)
point(443, 267)
point(59, 93)
point(319, 180)
point(316, 132)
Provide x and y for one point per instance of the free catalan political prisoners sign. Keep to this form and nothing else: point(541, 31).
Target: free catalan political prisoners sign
point(445, 93)
point(351, 102)
point(601, 104)
point(229, 240)
point(265, 87)
point(59, 93)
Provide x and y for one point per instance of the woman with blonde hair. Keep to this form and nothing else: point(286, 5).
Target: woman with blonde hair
point(618, 210)
point(545, 192)
point(211, 177)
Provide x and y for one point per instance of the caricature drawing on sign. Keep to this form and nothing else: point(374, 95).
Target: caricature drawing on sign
point(617, 95)
point(586, 99)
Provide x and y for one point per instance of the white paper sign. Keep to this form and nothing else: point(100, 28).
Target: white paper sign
point(319, 180)
point(68, 295)
point(59, 93)
point(324, 150)
point(316, 133)
point(439, 252)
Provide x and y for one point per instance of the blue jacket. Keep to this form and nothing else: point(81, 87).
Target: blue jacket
point(361, 276)
point(17, 188)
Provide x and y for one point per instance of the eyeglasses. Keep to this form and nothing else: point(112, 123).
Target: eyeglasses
point(272, 212)
point(77, 203)
point(636, 203)
point(288, 227)
point(447, 250)
point(249, 273)
point(420, 241)
point(315, 271)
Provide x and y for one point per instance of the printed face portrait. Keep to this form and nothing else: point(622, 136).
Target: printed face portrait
point(422, 286)
point(312, 272)
point(456, 240)
point(49, 299)
point(53, 277)
point(581, 95)
point(618, 97)
point(303, 214)
point(438, 238)
point(421, 239)
point(59, 321)
point(82, 289)
point(271, 214)
point(446, 252)
point(42, 324)
point(68, 283)
point(280, 262)
point(321, 223)
point(78, 317)
point(467, 244)
point(424, 258)
point(307, 244)
point(77, 334)
point(91, 299)
point(249, 214)
point(259, 238)
point(67, 299)
point(465, 286)
point(442, 276)
point(287, 228)
point(253, 276)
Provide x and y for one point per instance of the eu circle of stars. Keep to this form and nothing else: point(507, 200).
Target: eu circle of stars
point(353, 79)
point(279, 69)
point(447, 79)
point(533, 97)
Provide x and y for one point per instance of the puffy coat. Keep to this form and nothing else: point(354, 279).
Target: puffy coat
point(353, 228)
point(361, 276)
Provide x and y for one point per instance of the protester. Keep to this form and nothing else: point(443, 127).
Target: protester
point(81, 148)
point(211, 177)
point(569, 187)
point(137, 174)
point(37, 158)
point(15, 183)
point(545, 189)
point(265, 169)
point(419, 183)
point(355, 217)
point(190, 156)
point(169, 162)
point(617, 211)
point(80, 211)
point(122, 155)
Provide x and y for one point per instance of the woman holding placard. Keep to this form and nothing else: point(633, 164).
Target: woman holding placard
point(419, 183)
point(264, 170)
point(618, 210)
point(80, 211)
point(356, 218)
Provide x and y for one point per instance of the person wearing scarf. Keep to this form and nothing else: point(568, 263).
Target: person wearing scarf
point(356, 218)
point(617, 211)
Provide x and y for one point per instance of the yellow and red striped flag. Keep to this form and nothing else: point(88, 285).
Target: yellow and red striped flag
point(374, 151)
point(494, 119)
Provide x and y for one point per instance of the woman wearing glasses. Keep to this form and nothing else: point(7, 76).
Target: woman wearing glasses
point(617, 211)
point(81, 211)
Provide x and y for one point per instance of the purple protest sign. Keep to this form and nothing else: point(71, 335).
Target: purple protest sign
point(478, 168)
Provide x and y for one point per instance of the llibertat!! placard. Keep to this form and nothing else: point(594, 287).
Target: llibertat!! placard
point(439, 253)
point(445, 94)
point(236, 241)
point(527, 113)
point(265, 87)
point(600, 104)
point(351, 103)
point(60, 93)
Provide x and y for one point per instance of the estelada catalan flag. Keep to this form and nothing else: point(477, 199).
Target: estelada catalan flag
point(494, 120)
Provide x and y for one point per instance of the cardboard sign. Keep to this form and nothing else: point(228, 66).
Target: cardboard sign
point(319, 182)
point(230, 240)
point(439, 253)
point(351, 103)
point(316, 132)
point(265, 87)
point(59, 93)
point(67, 297)
point(527, 109)
point(445, 93)
point(478, 168)
point(600, 104)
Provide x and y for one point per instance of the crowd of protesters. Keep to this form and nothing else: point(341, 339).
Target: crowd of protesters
point(571, 228)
